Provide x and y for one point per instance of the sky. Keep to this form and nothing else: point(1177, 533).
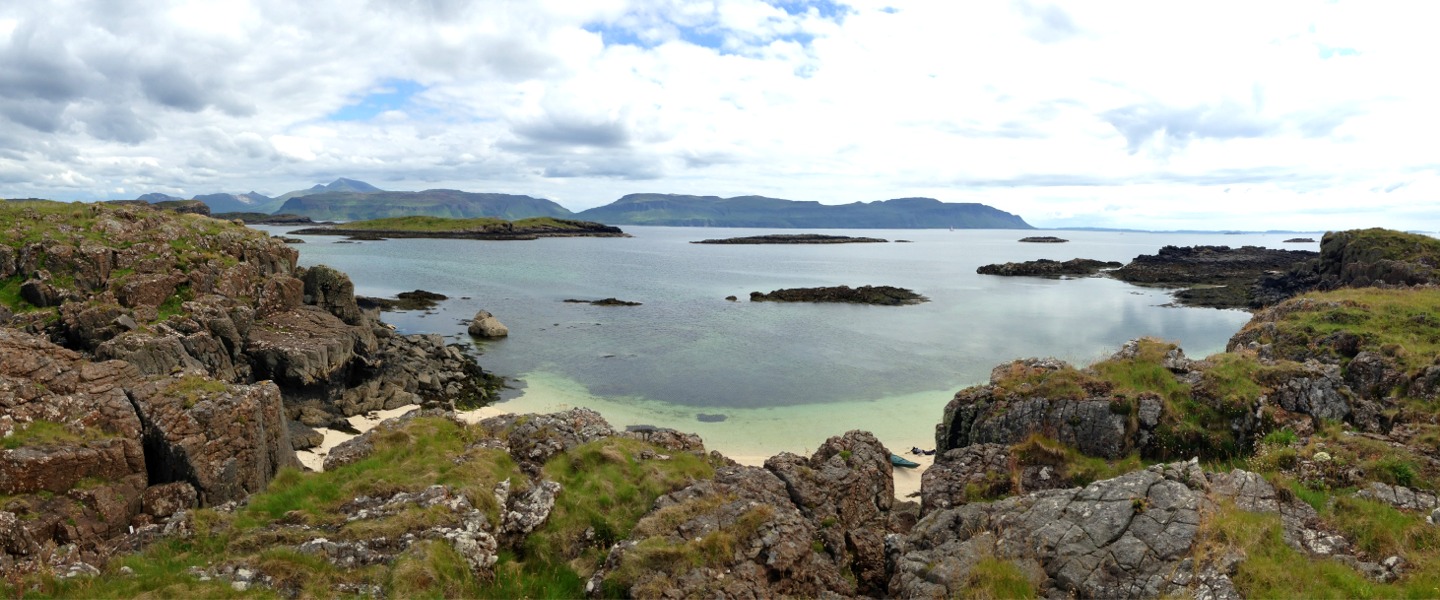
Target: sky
point(1150, 115)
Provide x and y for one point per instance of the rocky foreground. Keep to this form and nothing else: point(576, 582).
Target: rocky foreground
point(1303, 462)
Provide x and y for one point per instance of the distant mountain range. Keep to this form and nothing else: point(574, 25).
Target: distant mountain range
point(351, 200)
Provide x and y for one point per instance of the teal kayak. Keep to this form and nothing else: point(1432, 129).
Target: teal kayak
point(900, 461)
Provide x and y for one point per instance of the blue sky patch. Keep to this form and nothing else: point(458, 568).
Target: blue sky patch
point(393, 94)
point(1327, 52)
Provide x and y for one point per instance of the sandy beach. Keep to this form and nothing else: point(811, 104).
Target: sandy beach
point(907, 481)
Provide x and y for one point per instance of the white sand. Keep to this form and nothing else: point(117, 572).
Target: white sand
point(749, 436)
point(315, 457)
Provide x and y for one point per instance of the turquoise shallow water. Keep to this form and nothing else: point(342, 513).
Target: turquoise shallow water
point(784, 375)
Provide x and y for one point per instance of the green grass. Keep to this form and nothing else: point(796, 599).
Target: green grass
point(996, 579)
point(1273, 569)
point(10, 294)
point(49, 433)
point(607, 489)
point(1080, 469)
point(1399, 323)
point(174, 305)
point(191, 389)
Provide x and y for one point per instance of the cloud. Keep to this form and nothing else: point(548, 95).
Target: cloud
point(1166, 126)
point(1025, 106)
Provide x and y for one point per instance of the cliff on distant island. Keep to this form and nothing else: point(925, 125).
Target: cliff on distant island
point(882, 295)
point(1075, 267)
point(468, 229)
point(797, 238)
point(759, 211)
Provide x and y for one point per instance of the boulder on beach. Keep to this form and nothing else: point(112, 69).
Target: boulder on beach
point(485, 325)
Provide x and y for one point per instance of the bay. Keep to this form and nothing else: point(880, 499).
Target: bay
point(783, 377)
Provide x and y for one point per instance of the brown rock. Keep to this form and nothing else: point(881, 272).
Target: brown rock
point(227, 440)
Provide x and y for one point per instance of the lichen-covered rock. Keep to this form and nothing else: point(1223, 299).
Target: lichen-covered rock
point(1122, 537)
point(164, 500)
point(846, 490)
point(533, 439)
point(527, 511)
point(735, 536)
point(962, 475)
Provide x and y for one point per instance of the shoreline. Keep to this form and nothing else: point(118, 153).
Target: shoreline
point(741, 438)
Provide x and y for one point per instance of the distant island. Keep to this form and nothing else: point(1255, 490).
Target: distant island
point(760, 211)
point(352, 200)
point(1044, 239)
point(1300, 240)
point(469, 229)
point(795, 238)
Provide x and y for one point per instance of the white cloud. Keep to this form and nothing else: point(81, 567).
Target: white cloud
point(1137, 114)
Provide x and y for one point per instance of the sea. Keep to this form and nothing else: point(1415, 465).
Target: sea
point(757, 378)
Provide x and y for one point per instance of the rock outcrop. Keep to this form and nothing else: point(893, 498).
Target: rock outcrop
point(485, 325)
point(1075, 267)
point(1217, 276)
point(799, 527)
point(882, 295)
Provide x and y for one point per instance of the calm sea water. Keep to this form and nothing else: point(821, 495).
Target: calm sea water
point(806, 370)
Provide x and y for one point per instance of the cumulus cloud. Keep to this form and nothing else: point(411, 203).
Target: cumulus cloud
point(1027, 106)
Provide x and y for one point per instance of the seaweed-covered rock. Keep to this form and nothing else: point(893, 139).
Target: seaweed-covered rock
point(1075, 267)
point(882, 295)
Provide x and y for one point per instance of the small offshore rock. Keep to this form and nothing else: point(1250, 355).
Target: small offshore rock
point(485, 325)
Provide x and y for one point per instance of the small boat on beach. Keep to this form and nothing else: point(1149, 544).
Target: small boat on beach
point(900, 461)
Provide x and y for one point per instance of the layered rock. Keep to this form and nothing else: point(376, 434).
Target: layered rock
point(1091, 422)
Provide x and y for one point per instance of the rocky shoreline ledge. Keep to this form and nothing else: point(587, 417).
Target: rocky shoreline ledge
point(153, 368)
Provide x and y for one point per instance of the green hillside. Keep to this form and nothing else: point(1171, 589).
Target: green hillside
point(455, 204)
